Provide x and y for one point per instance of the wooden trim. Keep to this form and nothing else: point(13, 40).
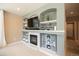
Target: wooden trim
point(65, 37)
point(77, 30)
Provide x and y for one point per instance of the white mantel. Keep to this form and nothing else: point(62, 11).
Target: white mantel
point(45, 31)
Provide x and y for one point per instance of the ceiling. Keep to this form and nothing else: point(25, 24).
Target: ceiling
point(20, 9)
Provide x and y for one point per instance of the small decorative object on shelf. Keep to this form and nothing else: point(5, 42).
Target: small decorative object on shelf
point(48, 46)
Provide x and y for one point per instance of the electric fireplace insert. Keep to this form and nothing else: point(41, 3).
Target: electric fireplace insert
point(33, 39)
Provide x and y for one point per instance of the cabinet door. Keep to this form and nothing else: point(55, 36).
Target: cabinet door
point(70, 30)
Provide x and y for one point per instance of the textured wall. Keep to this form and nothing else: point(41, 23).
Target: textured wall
point(13, 27)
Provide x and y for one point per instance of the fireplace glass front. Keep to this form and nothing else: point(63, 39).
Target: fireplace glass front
point(33, 39)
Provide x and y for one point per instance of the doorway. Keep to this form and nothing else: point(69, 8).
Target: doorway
point(72, 29)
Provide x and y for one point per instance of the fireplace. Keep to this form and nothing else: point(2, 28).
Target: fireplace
point(33, 39)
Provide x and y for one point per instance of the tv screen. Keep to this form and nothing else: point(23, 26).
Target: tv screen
point(30, 22)
point(33, 22)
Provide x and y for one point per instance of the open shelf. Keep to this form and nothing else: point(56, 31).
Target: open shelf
point(52, 21)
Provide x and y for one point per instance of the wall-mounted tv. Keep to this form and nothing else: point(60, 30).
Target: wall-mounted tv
point(33, 23)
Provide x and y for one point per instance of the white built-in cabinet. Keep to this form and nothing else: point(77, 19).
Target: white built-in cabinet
point(51, 17)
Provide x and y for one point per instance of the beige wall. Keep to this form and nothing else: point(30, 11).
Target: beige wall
point(13, 27)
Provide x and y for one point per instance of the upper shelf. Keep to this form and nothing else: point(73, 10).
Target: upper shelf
point(52, 21)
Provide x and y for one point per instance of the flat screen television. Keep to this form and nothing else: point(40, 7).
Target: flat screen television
point(33, 23)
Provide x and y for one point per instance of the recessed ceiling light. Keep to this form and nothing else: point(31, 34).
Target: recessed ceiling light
point(18, 9)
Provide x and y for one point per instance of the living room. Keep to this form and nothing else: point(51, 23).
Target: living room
point(35, 29)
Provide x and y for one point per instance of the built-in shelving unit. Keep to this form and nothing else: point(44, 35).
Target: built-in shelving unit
point(47, 22)
point(25, 36)
point(50, 33)
point(48, 19)
point(25, 24)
